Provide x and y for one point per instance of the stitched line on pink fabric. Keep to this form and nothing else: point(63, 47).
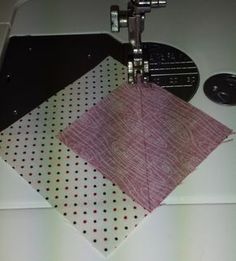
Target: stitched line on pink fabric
point(145, 146)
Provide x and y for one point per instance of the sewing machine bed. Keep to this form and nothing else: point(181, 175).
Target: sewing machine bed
point(37, 67)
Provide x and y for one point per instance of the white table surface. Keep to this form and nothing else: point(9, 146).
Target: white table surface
point(179, 233)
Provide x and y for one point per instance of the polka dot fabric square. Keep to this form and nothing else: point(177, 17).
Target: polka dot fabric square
point(98, 208)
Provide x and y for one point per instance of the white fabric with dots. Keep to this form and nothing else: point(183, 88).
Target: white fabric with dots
point(95, 206)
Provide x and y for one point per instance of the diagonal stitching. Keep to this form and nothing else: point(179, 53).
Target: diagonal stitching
point(145, 145)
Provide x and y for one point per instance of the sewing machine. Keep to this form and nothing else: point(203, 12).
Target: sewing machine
point(187, 47)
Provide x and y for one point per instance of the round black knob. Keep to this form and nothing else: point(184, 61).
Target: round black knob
point(221, 88)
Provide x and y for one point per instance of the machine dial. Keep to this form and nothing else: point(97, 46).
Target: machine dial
point(221, 88)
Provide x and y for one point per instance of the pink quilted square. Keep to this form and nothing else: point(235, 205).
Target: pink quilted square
point(145, 140)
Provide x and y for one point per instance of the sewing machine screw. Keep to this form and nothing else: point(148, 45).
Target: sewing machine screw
point(8, 77)
point(118, 18)
point(114, 13)
point(15, 112)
